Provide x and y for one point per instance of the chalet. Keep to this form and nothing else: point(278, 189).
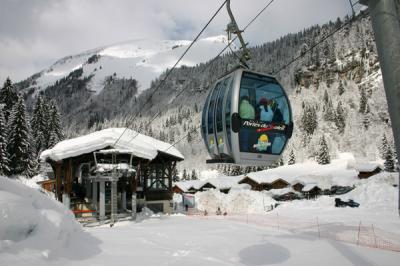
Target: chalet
point(365, 170)
point(194, 186)
point(297, 186)
point(180, 187)
point(207, 186)
point(311, 190)
point(112, 170)
point(263, 180)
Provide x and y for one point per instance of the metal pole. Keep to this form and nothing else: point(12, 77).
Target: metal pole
point(386, 25)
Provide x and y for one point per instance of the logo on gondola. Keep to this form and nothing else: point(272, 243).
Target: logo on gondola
point(263, 143)
point(262, 126)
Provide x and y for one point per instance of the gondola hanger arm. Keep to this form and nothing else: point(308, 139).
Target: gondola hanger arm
point(232, 27)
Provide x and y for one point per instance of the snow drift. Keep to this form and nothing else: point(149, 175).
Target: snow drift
point(34, 227)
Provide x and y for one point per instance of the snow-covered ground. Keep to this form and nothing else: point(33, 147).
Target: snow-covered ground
point(36, 230)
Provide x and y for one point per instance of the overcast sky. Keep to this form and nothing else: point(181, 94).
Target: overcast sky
point(36, 33)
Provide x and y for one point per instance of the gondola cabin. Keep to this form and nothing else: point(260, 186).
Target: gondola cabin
point(246, 119)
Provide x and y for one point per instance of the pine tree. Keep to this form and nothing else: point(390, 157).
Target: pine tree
point(39, 125)
point(363, 101)
point(55, 129)
point(323, 156)
point(328, 112)
point(389, 160)
point(340, 88)
point(383, 147)
point(4, 161)
point(19, 146)
point(292, 158)
point(326, 97)
point(175, 176)
point(185, 176)
point(8, 97)
point(194, 175)
point(340, 119)
point(309, 119)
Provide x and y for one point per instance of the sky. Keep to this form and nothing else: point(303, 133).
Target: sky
point(36, 33)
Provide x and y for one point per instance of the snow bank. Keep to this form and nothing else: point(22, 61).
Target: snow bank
point(377, 192)
point(236, 201)
point(42, 228)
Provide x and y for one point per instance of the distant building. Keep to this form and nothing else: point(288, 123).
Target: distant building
point(366, 170)
point(262, 180)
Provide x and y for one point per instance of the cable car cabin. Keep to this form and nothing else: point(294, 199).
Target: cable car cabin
point(246, 119)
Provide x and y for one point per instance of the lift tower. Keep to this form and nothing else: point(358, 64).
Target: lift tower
point(386, 25)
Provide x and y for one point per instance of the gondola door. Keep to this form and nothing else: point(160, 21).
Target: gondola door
point(209, 116)
point(221, 128)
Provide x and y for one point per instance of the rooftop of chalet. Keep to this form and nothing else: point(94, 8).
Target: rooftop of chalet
point(124, 139)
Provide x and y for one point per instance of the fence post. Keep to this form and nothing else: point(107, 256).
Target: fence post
point(373, 231)
point(319, 232)
point(359, 229)
point(277, 220)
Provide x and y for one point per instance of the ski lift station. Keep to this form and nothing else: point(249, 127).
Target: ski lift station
point(106, 173)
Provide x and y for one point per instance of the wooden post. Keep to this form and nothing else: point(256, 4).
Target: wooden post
point(359, 229)
point(373, 231)
point(277, 220)
point(58, 180)
point(102, 201)
point(319, 232)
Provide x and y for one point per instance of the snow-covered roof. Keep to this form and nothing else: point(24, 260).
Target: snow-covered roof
point(309, 187)
point(264, 177)
point(367, 167)
point(195, 184)
point(224, 182)
point(138, 144)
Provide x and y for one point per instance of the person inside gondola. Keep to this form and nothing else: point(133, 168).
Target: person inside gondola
point(265, 111)
point(277, 114)
point(246, 111)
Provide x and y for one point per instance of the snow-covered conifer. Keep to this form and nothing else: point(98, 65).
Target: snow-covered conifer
point(194, 175)
point(4, 161)
point(323, 156)
point(363, 101)
point(19, 144)
point(39, 125)
point(340, 88)
point(389, 160)
point(292, 158)
point(340, 119)
point(8, 97)
point(55, 129)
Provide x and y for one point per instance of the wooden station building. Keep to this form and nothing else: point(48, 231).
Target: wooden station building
point(113, 171)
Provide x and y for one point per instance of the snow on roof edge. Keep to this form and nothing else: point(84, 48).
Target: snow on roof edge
point(140, 145)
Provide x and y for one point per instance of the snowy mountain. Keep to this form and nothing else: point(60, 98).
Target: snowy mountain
point(142, 60)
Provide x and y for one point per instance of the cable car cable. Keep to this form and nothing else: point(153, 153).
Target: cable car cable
point(170, 71)
point(216, 57)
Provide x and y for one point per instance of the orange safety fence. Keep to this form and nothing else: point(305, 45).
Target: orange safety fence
point(359, 234)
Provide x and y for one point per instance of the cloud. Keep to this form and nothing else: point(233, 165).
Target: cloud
point(34, 34)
